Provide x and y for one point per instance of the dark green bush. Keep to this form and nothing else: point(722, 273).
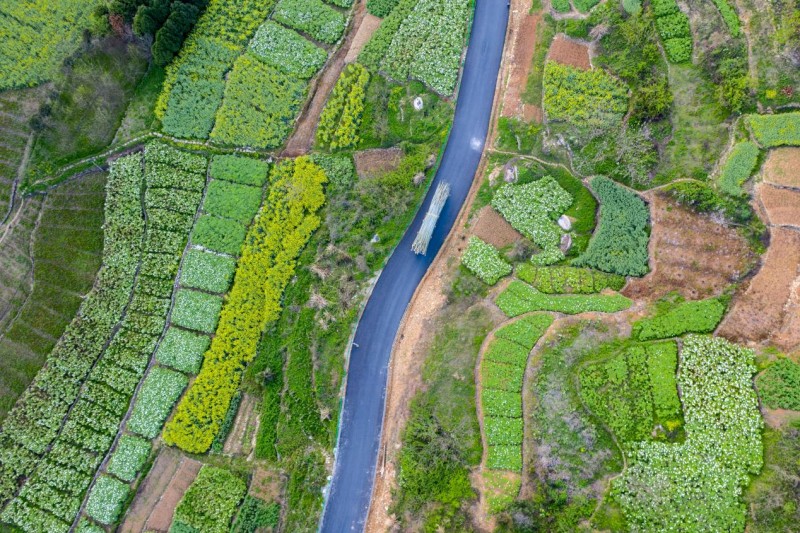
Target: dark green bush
point(779, 385)
point(381, 8)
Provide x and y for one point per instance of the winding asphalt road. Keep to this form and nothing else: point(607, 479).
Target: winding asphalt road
point(350, 490)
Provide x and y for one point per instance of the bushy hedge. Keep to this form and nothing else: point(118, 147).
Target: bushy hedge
point(584, 6)
point(521, 298)
point(738, 168)
point(619, 245)
point(776, 130)
point(313, 17)
point(532, 209)
point(195, 81)
point(279, 233)
point(260, 105)
point(287, 50)
point(567, 280)
point(779, 385)
point(211, 501)
point(341, 118)
point(688, 317)
point(485, 261)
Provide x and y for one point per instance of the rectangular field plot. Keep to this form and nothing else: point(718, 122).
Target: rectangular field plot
point(501, 403)
point(238, 169)
point(219, 234)
point(196, 310)
point(504, 458)
point(207, 271)
point(504, 351)
point(501, 431)
point(183, 350)
point(161, 389)
point(500, 376)
point(232, 200)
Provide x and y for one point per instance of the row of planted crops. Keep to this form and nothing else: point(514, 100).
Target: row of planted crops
point(194, 264)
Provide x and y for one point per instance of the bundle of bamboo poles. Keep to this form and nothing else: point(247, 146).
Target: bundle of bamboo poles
point(425, 233)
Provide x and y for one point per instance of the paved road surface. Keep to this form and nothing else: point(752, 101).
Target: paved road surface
point(362, 416)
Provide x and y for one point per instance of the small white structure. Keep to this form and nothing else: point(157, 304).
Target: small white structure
point(420, 245)
point(565, 223)
point(419, 103)
point(566, 242)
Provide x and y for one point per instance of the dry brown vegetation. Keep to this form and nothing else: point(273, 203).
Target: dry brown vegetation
point(689, 253)
point(372, 163)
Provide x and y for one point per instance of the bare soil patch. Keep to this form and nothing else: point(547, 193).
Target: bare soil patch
point(782, 167)
point(161, 517)
point(267, 485)
point(777, 418)
point(151, 489)
point(372, 163)
point(302, 139)
point(238, 439)
point(568, 52)
point(690, 253)
point(760, 310)
point(520, 48)
point(368, 26)
point(494, 229)
point(782, 205)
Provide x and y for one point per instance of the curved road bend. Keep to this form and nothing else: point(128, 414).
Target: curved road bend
point(362, 415)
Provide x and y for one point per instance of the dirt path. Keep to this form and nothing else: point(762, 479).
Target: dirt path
point(520, 48)
point(235, 443)
point(303, 136)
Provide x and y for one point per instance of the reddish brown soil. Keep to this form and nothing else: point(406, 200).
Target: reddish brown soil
point(151, 489)
point(759, 311)
point(690, 253)
point(520, 47)
point(494, 229)
point(302, 139)
point(777, 418)
point(372, 163)
point(235, 443)
point(568, 52)
point(368, 26)
point(161, 517)
point(782, 167)
point(782, 205)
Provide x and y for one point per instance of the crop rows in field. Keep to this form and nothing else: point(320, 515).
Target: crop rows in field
point(502, 369)
point(53, 282)
point(237, 94)
point(341, 118)
point(673, 28)
point(568, 280)
point(485, 261)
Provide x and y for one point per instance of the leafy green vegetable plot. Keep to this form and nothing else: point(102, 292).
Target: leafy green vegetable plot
point(527, 330)
point(129, 457)
point(161, 389)
point(207, 271)
point(211, 501)
point(779, 385)
point(238, 169)
point(619, 245)
point(567, 280)
point(313, 17)
point(521, 298)
point(485, 261)
point(196, 310)
point(738, 168)
point(287, 50)
point(182, 350)
point(688, 317)
point(776, 130)
point(504, 458)
point(107, 499)
point(219, 234)
point(255, 514)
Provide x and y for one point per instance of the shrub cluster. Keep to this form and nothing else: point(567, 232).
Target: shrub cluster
point(779, 385)
point(210, 502)
point(532, 209)
point(619, 245)
point(776, 130)
point(698, 483)
point(738, 168)
point(256, 514)
point(673, 27)
point(287, 50)
point(278, 234)
point(688, 317)
point(520, 298)
point(583, 98)
point(561, 6)
point(381, 8)
point(341, 118)
point(485, 261)
point(568, 280)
